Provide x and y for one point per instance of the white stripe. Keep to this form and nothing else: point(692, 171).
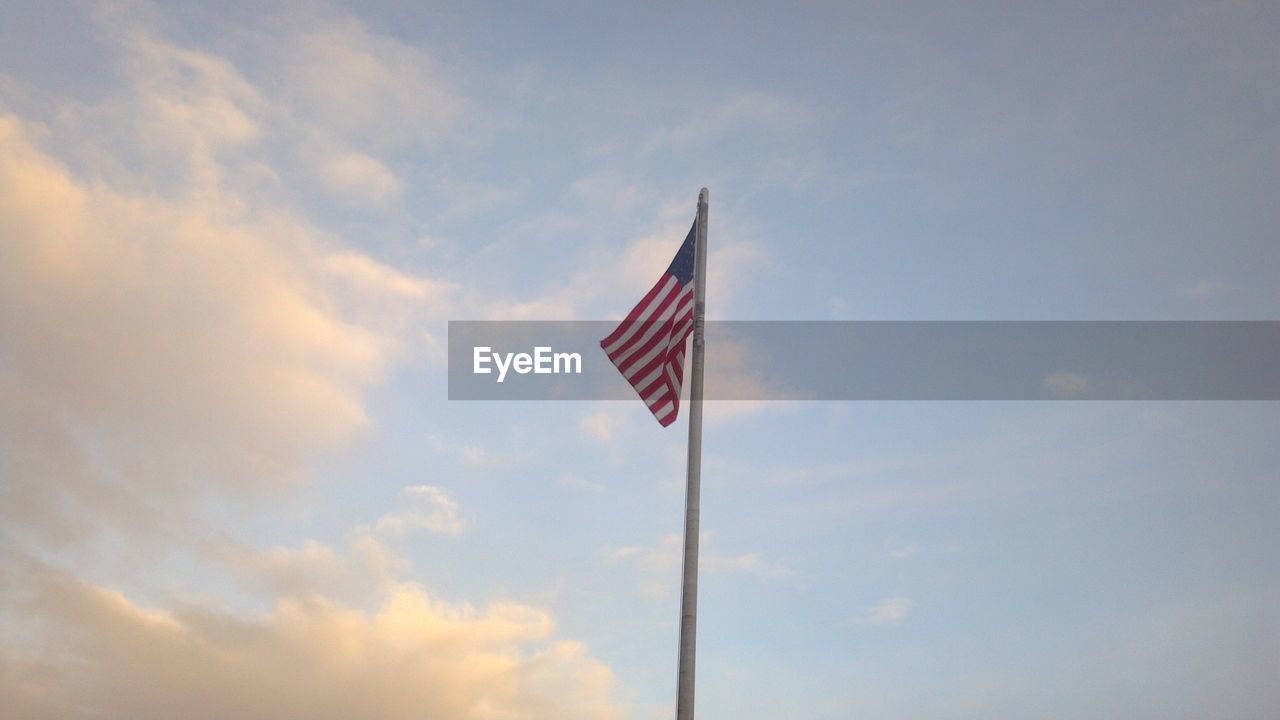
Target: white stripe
point(655, 351)
point(657, 395)
point(653, 327)
point(671, 375)
point(666, 288)
point(661, 412)
point(678, 336)
point(686, 297)
point(649, 379)
point(655, 303)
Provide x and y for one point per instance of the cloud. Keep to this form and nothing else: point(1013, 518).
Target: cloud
point(888, 611)
point(210, 344)
point(411, 656)
point(317, 569)
point(175, 330)
point(604, 281)
point(736, 111)
point(473, 455)
point(375, 279)
point(733, 257)
point(1067, 385)
point(661, 560)
point(573, 482)
point(610, 191)
point(169, 321)
point(736, 388)
point(176, 124)
point(370, 89)
point(749, 563)
point(903, 553)
point(599, 426)
point(355, 178)
point(429, 509)
point(1205, 288)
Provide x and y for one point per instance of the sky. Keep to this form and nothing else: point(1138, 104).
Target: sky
point(232, 236)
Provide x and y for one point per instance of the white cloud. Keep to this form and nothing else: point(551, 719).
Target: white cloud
point(659, 562)
point(904, 552)
point(374, 279)
point(574, 482)
point(888, 611)
point(371, 89)
point(608, 190)
point(355, 178)
point(600, 426)
point(183, 115)
point(473, 455)
point(749, 563)
point(737, 110)
point(1205, 288)
point(429, 509)
point(605, 281)
point(1067, 385)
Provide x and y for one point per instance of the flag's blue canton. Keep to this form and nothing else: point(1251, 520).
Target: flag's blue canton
point(682, 265)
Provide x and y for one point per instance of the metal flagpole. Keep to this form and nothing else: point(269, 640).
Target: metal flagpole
point(689, 587)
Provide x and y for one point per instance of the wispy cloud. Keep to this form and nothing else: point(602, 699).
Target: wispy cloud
point(355, 178)
point(369, 89)
point(904, 552)
point(1205, 288)
point(574, 482)
point(661, 559)
point(1067, 385)
point(889, 611)
point(427, 509)
point(599, 426)
point(743, 110)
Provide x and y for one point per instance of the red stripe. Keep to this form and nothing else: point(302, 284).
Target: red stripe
point(648, 346)
point(670, 416)
point(637, 310)
point(675, 330)
point(628, 348)
point(658, 312)
point(653, 386)
point(657, 400)
point(644, 371)
point(686, 301)
point(633, 375)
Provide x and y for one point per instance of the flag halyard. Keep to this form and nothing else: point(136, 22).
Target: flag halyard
point(648, 346)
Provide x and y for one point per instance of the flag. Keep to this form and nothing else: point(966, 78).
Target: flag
point(647, 347)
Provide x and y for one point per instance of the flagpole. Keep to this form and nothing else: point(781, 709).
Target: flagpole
point(693, 485)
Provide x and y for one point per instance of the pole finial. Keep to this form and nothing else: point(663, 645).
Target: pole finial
point(704, 195)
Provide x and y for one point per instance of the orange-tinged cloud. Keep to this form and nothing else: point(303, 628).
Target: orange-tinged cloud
point(172, 331)
point(308, 657)
point(174, 335)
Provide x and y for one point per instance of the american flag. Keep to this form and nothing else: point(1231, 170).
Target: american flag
point(647, 347)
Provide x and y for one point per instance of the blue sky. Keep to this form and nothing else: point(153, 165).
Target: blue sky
point(231, 238)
